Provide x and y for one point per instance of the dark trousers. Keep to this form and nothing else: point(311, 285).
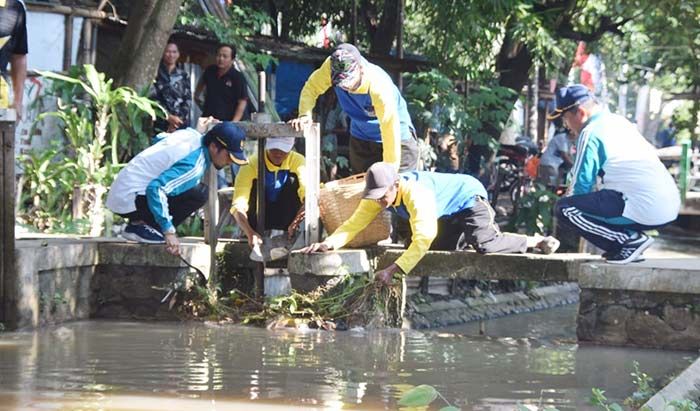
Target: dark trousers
point(365, 153)
point(280, 213)
point(180, 206)
point(597, 217)
point(476, 227)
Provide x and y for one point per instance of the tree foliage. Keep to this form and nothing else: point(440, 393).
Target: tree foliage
point(244, 21)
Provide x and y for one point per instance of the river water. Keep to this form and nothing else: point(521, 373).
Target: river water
point(107, 365)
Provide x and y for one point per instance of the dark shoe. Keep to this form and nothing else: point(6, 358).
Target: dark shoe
point(631, 251)
point(142, 233)
point(607, 254)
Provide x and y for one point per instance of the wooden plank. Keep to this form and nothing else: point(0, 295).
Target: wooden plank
point(7, 214)
point(254, 131)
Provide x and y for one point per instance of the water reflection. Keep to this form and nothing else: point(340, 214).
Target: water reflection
point(100, 365)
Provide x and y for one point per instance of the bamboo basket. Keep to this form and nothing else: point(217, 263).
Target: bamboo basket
point(338, 200)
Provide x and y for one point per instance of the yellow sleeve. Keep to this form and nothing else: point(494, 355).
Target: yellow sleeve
point(317, 84)
point(387, 112)
point(243, 186)
point(421, 207)
point(298, 166)
point(363, 215)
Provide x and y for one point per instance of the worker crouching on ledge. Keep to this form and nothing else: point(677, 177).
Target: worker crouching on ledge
point(434, 203)
point(284, 191)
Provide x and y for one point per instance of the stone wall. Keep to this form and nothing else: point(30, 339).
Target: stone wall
point(640, 318)
point(132, 292)
point(427, 312)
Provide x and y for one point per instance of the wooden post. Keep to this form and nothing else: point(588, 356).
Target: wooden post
point(211, 216)
point(7, 215)
point(93, 45)
point(399, 43)
point(261, 118)
point(86, 43)
point(68, 42)
point(313, 182)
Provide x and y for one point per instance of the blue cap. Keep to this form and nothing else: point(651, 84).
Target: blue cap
point(231, 137)
point(568, 98)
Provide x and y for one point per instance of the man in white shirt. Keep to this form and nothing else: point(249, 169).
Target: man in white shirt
point(635, 191)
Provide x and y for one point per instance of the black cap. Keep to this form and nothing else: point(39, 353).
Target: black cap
point(379, 179)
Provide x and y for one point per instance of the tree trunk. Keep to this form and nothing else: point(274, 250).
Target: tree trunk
point(150, 24)
point(383, 38)
point(513, 65)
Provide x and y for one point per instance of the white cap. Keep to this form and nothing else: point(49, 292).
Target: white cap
point(280, 143)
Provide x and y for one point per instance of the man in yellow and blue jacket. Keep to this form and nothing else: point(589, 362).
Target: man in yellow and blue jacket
point(381, 128)
point(284, 191)
point(435, 204)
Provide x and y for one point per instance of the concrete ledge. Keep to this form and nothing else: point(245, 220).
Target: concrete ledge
point(684, 387)
point(653, 275)
point(329, 264)
point(472, 265)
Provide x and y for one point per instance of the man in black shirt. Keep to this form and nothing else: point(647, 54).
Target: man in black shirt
point(226, 96)
point(13, 49)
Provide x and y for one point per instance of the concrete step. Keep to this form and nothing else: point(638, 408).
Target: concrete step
point(672, 275)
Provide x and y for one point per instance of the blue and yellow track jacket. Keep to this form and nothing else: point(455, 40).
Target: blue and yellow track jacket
point(166, 169)
point(423, 197)
point(275, 178)
point(377, 109)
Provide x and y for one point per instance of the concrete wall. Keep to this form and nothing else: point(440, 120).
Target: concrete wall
point(63, 279)
point(637, 318)
point(654, 304)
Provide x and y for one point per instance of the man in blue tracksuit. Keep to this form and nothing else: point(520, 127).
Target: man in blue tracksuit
point(619, 186)
point(160, 187)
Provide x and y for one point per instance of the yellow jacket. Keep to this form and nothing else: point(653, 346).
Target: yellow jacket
point(275, 177)
point(413, 199)
point(385, 99)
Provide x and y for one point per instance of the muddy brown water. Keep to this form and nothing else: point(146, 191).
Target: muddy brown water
point(106, 365)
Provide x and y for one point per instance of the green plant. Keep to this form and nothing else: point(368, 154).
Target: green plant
point(684, 122)
point(683, 405)
point(433, 102)
point(46, 182)
point(93, 115)
point(644, 390)
point(422, 396)
point(193, 226)
point(601, 401)
point(534, 211)
point(100, 112)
